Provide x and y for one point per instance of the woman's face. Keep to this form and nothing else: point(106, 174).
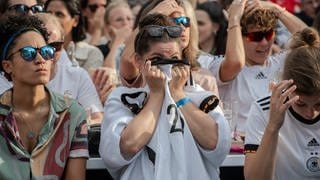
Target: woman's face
point(185, 36)
point(207, 28)
point(59, 9)
point(307, 106)
point(33, 72)
point(167, 50)
point(120, 16)
point(55, 35)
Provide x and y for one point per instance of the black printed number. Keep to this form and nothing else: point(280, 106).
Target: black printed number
point(177, 126)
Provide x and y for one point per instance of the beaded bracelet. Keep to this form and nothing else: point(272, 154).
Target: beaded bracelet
point(183, 101)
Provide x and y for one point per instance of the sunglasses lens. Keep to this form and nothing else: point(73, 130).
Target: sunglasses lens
point(255, 36)
point(174, 31)
point(47, 52)
point(57, 45)
point(28, 53)
point(258, 36)
point(19, 8)
point(269, 34)
point(185, 21)
point(155, 31)
point(37, 8)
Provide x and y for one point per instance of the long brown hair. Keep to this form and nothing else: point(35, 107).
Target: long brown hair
point(303, 62)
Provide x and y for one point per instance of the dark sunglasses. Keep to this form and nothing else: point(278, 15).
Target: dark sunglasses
point(184, 20)
point(29, 53)
point(22, 8)
point(157, 31)
point(93, 7)
point(57, 45)
point(258, 36)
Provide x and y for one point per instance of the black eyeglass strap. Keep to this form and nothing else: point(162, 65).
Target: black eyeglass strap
point(169, 61)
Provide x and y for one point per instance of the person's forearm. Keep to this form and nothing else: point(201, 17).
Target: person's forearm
point(110, 60)
point(235, 56)
point(140, 130)
point(261, 164)
point(293, 23)
point(128, 70)
point(203, 128)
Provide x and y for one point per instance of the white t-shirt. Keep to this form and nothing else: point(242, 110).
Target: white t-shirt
point(298, 150)
point(4, 83)
point(172, 153)
point(249, 85)
point(76, 82)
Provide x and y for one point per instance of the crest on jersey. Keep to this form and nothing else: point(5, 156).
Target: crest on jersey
point(134, 101)
point(313, 164)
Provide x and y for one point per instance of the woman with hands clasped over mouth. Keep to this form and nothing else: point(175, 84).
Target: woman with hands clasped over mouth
point(164, 130)
point(282, 135)
point(184, 16)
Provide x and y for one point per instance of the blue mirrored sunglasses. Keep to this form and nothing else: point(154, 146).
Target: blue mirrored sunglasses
point(29, 53)
point(184, 20)
point(22, 8)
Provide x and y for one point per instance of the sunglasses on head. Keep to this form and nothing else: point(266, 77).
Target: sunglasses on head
point(93, 7)
point(259, 35)
point(29, 53)
point(157, 31)
point(22, 8)
point(57, 45)
point(184, 20)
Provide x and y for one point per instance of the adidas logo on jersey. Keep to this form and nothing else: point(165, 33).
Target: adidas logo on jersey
point(313, 142)
point(261, 76)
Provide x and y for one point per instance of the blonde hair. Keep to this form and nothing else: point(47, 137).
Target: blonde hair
point(47, 18)
point(112, 5)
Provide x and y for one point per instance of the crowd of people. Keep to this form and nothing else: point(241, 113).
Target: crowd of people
point(157, 80)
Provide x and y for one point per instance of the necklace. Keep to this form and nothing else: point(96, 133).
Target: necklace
point(19, 116)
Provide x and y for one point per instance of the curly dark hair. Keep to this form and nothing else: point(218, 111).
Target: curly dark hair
point(12, 25)
point(261, 19)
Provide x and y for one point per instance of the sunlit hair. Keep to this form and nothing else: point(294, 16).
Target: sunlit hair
point(303, 62)
point(260, 19)
point(47, 18)
point(112, 5)
point(144, 41)
point(191, 51)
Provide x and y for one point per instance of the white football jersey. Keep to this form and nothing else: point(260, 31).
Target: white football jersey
point(298, 150)
point(172, 153)
point(249, 85)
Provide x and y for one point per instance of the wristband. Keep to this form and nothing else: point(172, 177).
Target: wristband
point(183, 101)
